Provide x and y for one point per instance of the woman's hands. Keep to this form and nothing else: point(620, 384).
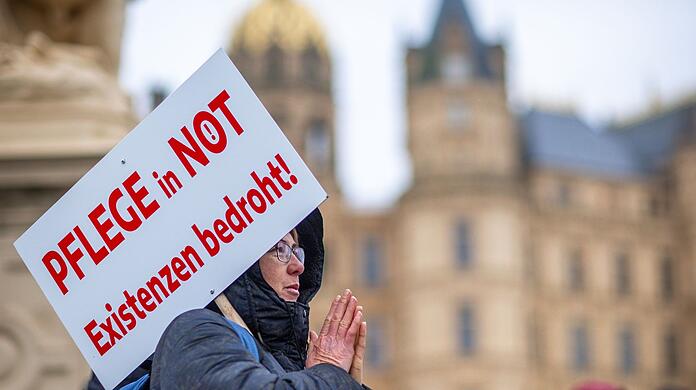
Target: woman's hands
point(339, 340)
point(356, 369)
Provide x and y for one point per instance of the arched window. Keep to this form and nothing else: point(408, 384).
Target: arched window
point(580, 344)
point(372, 261)
point(242, 59)
point(456, 68)
point(462, 243)
point(466, 330)
point(311, 66)
point(317, 144)
point(623, 274)
point(275, 66)
point(375, 353)
point(667, 277)
point(670, 351)
point(627, 350)
point(576, 271)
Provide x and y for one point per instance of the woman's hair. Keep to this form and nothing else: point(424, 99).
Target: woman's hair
point(295, 236)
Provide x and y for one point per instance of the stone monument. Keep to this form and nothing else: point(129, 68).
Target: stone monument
point(61, 109)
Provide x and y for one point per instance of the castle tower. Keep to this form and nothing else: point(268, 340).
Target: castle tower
point(460, 126)
point(281, 51)
point(460, 228)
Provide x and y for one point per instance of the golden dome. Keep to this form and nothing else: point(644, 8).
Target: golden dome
point(284, 23)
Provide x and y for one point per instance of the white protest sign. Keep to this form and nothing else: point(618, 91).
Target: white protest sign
point(181, 207)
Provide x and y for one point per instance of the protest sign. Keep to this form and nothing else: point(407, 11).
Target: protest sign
point(183, 205)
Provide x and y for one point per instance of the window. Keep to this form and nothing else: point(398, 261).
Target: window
point(317, 145)
point(627, 351)
point(580, 348)
point(457, 115)
point(467, 331)
point(311, 66)
point(667, 278)
point(275, 68)
point(462, 244)
point(456, 68)
point(375, 349)
point(623, 274)
point(576, 271)
point(372, 261)
point(671, 352)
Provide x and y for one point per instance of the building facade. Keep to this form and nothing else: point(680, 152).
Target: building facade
point(531, 251)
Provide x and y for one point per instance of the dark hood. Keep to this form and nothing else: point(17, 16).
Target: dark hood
point(281, 326)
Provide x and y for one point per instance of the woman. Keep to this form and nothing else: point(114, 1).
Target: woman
point(200, 350)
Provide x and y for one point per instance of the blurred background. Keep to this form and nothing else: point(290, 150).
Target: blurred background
point(512, 183)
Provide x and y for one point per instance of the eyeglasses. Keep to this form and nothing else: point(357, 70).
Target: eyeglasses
point(284, 252)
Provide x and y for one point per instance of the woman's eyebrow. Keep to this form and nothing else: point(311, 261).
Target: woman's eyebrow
point(289, 244)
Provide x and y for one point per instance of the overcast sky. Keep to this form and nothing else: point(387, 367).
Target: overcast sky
point(607, 59)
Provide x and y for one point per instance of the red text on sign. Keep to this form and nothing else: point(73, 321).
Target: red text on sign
point(213, 141)
point(109, 220)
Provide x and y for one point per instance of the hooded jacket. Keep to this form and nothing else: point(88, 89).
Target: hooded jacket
point(200, 350)
point(282, 327)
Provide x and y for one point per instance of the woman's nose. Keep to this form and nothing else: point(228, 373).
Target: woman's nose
point(295, 267)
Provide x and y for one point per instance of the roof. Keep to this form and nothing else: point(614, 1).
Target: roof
point(455, 10)
point(283, 23)
point(563, 141)
point(555, 140)
point(654, 140)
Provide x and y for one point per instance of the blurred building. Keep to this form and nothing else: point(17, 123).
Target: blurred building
point(61, 110)
point(530, 252)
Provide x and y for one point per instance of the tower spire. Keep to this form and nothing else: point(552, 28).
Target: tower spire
point(454, 13)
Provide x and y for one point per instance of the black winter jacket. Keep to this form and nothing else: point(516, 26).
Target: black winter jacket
point(200, 351)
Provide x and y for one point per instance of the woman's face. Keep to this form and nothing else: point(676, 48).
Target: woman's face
point(283, 278)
